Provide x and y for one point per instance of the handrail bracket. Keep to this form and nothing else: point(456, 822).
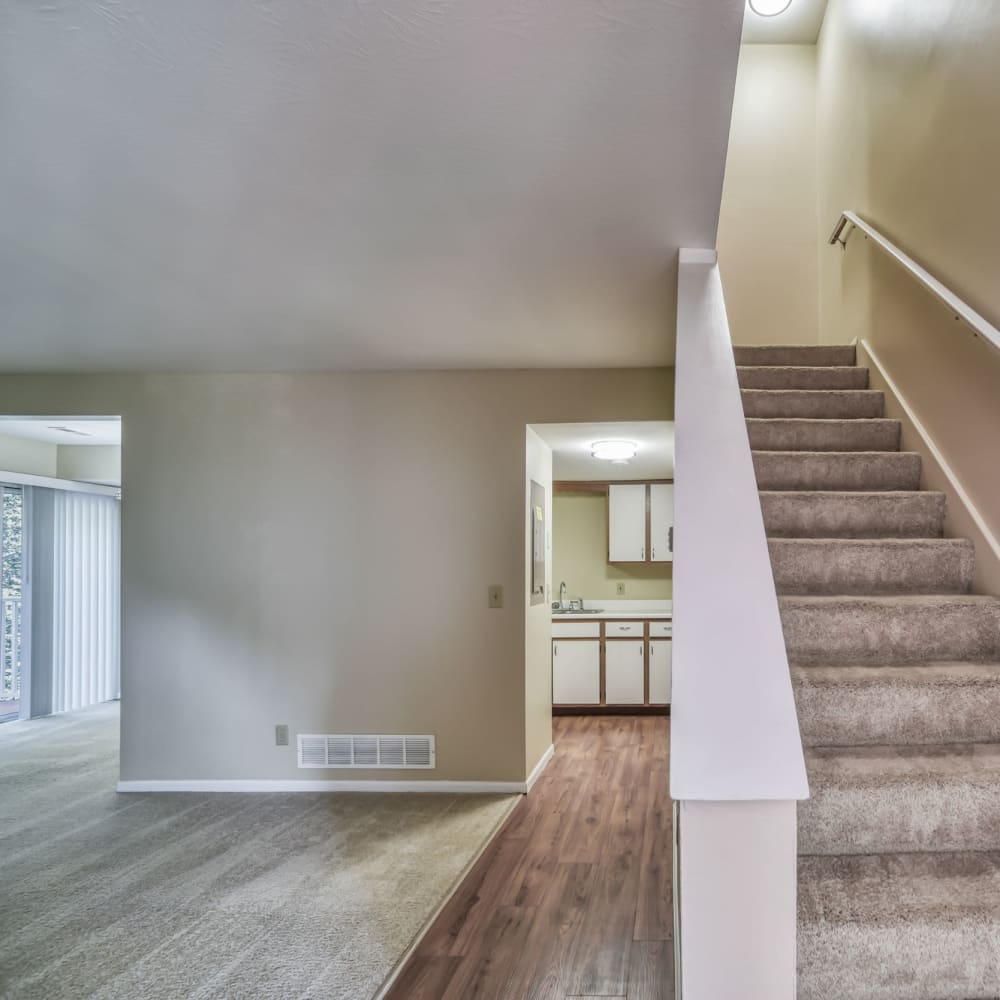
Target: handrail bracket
point(838, 232)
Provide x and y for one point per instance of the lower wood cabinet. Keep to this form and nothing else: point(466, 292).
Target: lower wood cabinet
point(611, 663)
point(625, 672)
point(576, 672)
point(660, 656)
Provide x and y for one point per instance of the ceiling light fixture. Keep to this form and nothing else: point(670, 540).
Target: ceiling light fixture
point(614, 451)
point(70, 430)
point(770, 8)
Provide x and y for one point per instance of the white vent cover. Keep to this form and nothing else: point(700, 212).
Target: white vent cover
point(366, 751)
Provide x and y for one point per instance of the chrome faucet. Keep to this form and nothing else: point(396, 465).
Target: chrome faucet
point(562, 594)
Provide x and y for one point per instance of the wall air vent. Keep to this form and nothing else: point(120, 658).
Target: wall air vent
point(366, 751)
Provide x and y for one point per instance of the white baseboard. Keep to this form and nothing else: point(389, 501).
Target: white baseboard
point(539, 767)
point(342, 784)
point(336, 785)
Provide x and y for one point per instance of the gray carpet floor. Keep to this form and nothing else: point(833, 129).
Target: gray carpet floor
point(209, 896)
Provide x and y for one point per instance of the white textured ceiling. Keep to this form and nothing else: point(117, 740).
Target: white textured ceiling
point(799, 25)
point(62, 430)
point(573, 462)
point(294, 184)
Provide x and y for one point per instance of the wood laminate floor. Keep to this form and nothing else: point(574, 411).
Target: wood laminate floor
point(573, 897)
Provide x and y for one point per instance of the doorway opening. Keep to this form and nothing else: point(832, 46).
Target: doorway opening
point(60, 618)
point(609, 612)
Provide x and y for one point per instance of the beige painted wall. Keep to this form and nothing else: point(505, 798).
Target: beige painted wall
point(92, 463)
point(31, 458)
point(538, 617)
point(768, 229)
point(315, 550)
point(580, 555)
point(909, 100)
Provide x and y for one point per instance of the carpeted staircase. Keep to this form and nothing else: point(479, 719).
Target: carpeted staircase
point(896, 669)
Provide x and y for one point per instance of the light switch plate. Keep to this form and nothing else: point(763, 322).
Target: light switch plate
point(620, 589)
point(495, 596)
point(281, 735)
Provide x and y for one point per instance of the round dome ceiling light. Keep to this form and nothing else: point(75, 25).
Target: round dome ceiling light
point(614, 451)
point(770, 8)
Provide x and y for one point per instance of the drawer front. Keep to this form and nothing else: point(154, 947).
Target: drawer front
point(576, 630)
point(624, 630)
point(660, 629)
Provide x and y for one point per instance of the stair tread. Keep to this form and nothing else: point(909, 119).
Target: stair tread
point(879, 495)
point(955, 701)
point(946, 672)
point(909, 601)
point(777, 354)
point(833, 470)
point(802, 376)
point(846, 404)
point(871, 566)
point(821, 421)
point(843, 456)
point(800, 368)
point(838, 393)
point(930, 544)
point(939, 763)
point(876, 888)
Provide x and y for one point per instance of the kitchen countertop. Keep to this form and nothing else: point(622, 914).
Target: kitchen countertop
point(616, 615)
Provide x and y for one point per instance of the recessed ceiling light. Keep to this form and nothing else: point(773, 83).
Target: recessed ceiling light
point(70, 430)
point(614, 451)
point(770, 8)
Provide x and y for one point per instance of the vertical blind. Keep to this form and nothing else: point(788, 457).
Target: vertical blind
point(86, 616)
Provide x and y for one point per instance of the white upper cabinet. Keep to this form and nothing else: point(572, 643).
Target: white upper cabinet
point(661, 522)
point(627, 523)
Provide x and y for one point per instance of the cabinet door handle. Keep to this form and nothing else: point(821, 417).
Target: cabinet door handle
point(639, 648)
point(555, 650)
point(671, 538)
point(642, 552)
point(652, 552)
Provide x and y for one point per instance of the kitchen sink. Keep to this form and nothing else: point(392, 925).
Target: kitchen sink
point(577, 611)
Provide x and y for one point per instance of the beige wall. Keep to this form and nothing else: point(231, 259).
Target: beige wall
point(909, 101)
point(580, 555)
point(31, 458)
point(92, 463)
point(316, 550)
point(768, 229)
point(538, 617)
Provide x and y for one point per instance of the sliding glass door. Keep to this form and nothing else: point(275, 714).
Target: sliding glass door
point(12, 618)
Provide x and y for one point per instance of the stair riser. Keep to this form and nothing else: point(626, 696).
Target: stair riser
point(859, 472)
point(763, 377)
point(796, 355)
point(826, 567)
point(824, 515)
point(818, 405)
point(889, 634)
point(900, 711)
point(960, 815)
point(823, 435)
point(902, 960)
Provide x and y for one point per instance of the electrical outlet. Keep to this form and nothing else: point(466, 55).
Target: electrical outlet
point(620, 589)
point(281, 735)
point(495, 596)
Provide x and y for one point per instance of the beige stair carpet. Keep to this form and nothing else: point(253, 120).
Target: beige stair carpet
point(896, 671)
